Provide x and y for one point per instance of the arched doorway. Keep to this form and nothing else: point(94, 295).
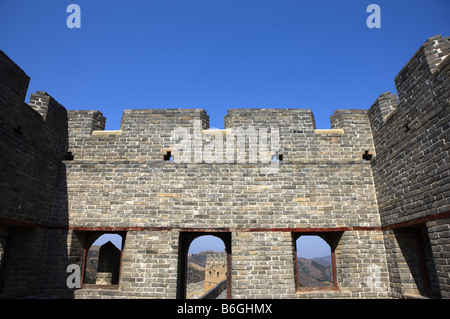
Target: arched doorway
point(216, 262)
point(102, 258)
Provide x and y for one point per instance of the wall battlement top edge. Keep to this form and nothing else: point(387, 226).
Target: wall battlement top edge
point(423, 62)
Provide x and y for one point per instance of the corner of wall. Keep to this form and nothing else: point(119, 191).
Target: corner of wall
point(382, 108)
point(421, 66)
point(13, 81)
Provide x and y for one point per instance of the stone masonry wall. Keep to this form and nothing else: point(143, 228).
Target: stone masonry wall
point(31, 145)
point(215, 270)
point(412, 169)
point(439, 234)
point(120, 180)
point(412, 163)
point(373, 185)
point(263, 265)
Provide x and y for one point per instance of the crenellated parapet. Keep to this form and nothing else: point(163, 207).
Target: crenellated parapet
point(250, 136)
point(32, 143)
point(410, 134)
point(374, 186)
point(215, 270)
point(412, 81)
point(217, 258)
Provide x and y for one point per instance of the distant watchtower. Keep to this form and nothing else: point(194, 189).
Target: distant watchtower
point(215, 270)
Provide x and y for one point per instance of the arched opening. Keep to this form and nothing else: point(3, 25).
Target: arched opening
point(207, 266)
point(103, 256)
point(204, 270)
point(315, 261)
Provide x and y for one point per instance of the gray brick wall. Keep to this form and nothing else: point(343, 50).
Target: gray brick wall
point(411, 168)
point(375, 184)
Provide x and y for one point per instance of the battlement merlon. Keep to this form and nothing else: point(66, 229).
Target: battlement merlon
point(14, 84)
point(42, 122)
point(295, 120)
point(382, 109)
point(421, 66)
point(351, 121)
point(426, 66)
point(219, 258)
point(13, 81)
point(164, 120)
point(85, 122)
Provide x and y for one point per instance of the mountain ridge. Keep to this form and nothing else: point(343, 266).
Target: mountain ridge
point(315, 272)
point(312, 272)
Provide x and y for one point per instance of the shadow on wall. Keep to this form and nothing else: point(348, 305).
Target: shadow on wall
point(33, 197)
point(415, 265)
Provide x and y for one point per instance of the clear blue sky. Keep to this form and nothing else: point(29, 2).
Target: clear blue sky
point(307, 246)
point(216, 54)
point(206, 243)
